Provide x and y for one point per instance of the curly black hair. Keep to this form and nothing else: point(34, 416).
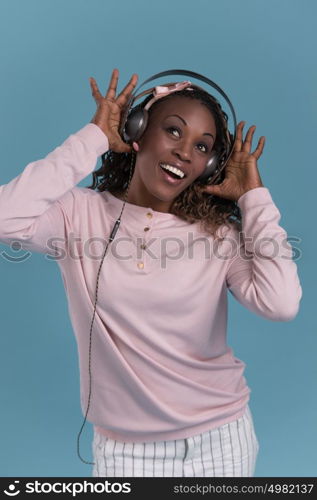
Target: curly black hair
point(191, 204)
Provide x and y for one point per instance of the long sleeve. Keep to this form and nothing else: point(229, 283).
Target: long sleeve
point(30, 211)
point(262, 275)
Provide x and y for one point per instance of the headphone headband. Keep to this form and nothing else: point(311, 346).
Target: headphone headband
point(193, 75)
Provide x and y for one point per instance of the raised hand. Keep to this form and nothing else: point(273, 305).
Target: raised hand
point(110, 109)
point(241, 171)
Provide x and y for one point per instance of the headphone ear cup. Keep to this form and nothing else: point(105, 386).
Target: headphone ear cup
point(211, 167)
point(135, 124)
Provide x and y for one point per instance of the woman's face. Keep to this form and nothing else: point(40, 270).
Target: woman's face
point(184, 141)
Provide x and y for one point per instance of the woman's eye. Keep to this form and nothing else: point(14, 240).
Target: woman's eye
point(205, 150)
point(172, 128)
point(204, 146)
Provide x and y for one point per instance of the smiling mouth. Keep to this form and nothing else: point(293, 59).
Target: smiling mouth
point(170, 178)
point(172, 172)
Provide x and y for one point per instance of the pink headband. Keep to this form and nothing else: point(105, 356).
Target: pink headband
point(161, 91)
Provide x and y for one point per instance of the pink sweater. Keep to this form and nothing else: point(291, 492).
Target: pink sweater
point(161, 367)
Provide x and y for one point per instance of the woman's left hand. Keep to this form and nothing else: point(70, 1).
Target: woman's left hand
point(241, 172)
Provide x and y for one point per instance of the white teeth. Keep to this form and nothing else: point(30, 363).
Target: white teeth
point(173, 169)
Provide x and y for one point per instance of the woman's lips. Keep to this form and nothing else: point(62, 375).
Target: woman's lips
point(168, 178)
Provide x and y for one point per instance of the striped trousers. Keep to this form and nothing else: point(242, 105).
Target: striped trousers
point(227, 451)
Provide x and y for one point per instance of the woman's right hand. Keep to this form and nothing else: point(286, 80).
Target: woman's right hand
point(110, 109)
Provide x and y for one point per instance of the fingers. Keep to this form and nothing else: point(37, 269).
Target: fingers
point(112, 89)
point(246, 144)
point(248, 139)
point(127, 91)
point(259, 150)
point(239, 137)
point(94, 89)
point(212, 189)
point(123, 97)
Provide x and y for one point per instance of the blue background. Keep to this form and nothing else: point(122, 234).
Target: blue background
point(261, 53)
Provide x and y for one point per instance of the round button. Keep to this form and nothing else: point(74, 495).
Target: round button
point(140, 265)
point(146, 228)
point(149, 214)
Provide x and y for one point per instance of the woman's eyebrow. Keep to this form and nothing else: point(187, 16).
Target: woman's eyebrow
point(182, 119)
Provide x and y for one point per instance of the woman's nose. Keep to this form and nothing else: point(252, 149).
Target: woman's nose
point(183, 152)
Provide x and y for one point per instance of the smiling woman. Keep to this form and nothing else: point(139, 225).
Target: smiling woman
point(184, 127)
point(182, 144)
point(168, 395)
point(168, 141)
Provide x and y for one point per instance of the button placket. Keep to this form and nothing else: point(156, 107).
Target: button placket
point(146, 229)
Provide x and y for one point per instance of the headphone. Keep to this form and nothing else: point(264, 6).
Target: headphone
point(133, 124)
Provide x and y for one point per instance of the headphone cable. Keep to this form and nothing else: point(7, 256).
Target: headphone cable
point(112, 235)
